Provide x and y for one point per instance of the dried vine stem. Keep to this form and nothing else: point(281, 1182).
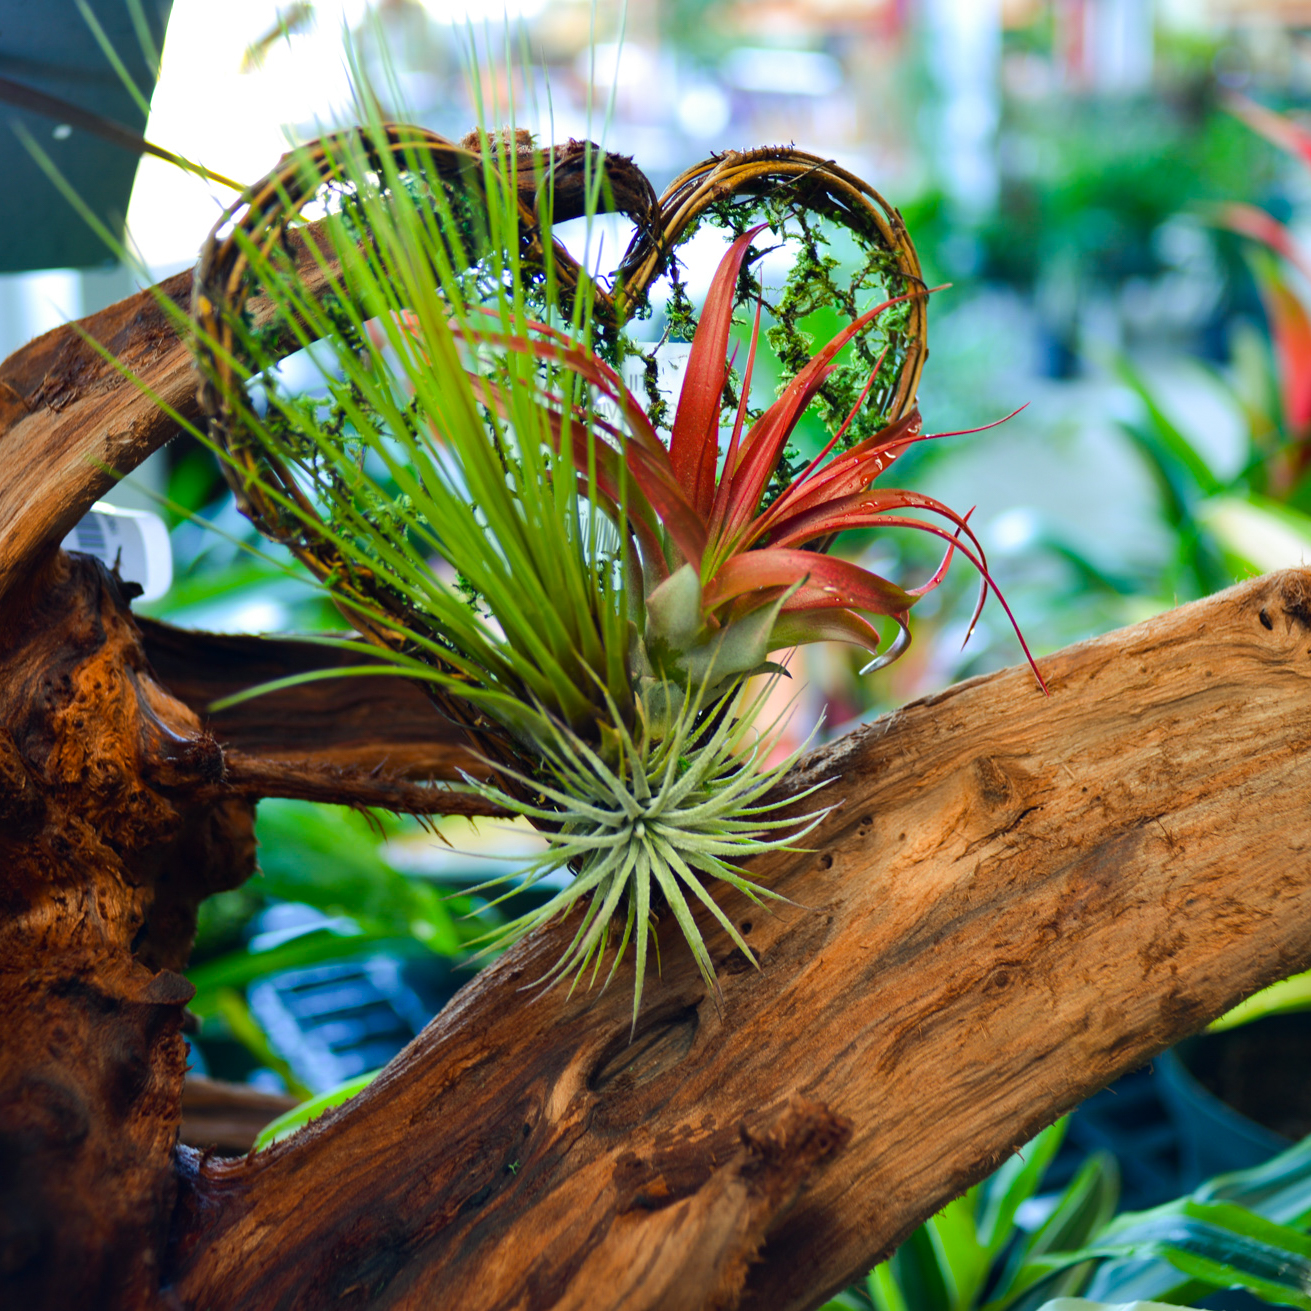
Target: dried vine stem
point(739, 185)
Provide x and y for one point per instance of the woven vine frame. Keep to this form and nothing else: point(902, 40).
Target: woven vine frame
point(733, 188)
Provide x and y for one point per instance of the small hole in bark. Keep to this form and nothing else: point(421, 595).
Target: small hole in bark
point(734, 963)
point(746, 927)
point(1266, 621)
point(826, 861)
point(867, 820)
point(901, 837)
point(659, 1045)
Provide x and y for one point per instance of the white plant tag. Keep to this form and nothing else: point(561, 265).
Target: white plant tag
point(133, 541)
point(671, 366)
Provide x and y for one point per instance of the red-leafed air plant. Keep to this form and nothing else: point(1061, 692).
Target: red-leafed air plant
point(730, 574)
point(727, 575)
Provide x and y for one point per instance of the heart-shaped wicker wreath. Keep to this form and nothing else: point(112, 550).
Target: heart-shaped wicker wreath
point(736, 190)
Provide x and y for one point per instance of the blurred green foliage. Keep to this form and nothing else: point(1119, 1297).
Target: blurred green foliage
point(1088, 181)
point(1244, 1230)
point(330, 858)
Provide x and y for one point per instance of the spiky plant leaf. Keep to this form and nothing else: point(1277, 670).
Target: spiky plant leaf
point(674, 812)
point(612, 592)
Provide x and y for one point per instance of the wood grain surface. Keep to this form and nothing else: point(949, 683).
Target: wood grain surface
point(1017, 900)
point(360, 741)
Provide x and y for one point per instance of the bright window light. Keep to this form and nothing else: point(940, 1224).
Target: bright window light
point(782, 72)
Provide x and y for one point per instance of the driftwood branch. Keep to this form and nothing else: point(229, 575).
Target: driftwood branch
point(360, 741)
point(339, 721)
point(1019, 900)
point(226, 1116)
point(105, 855)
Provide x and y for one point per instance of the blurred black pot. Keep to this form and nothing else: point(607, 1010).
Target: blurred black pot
point(1240, 1096)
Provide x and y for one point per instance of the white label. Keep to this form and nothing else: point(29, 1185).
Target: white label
point(671, 368)
point(135, 542)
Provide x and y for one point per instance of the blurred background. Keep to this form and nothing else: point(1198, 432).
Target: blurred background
point(1116, 192)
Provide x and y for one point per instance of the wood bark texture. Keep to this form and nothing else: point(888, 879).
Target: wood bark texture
point(105, 853)
point(120, 811)
point(227, 1116)
point(1016, 900)
point(353, 741)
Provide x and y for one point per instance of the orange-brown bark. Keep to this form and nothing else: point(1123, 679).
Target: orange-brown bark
point(227, 1117)
point(104, 856)
point(1018, 900)
point(354, 741)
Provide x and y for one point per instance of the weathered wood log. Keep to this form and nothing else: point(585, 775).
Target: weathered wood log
point(119, 814)
point(68, 418)
point(105, 853)
point(353, 741)
point(337, 722)
point(1018, 900)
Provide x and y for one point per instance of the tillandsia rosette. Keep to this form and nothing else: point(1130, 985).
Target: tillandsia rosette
point(582, 579)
